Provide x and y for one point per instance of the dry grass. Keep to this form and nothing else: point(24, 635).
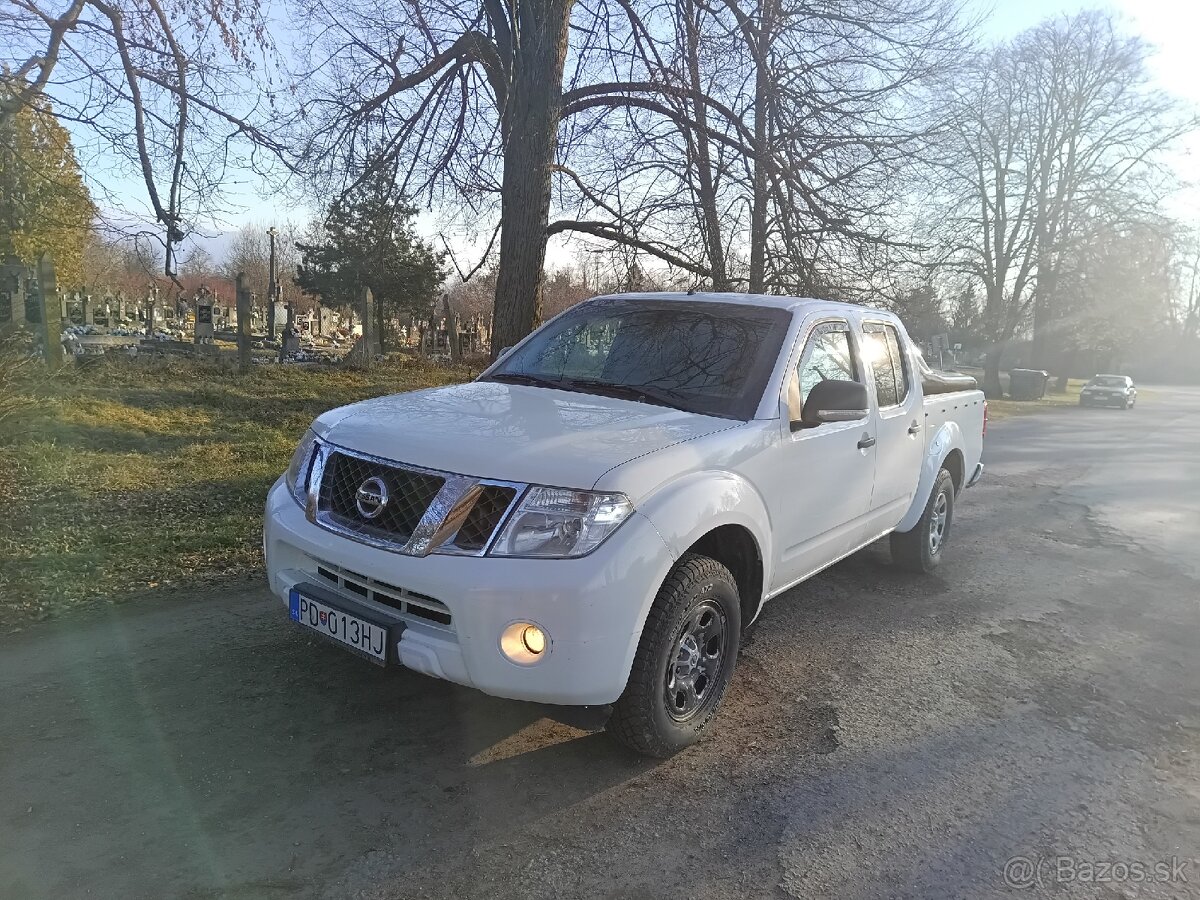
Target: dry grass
point(131, 477)
point(1003, 409)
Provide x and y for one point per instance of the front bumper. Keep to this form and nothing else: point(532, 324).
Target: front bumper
point(592, 608)
point(1104, 399)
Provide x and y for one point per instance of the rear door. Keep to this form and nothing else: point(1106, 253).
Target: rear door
point(899, 426)
point(826, 474)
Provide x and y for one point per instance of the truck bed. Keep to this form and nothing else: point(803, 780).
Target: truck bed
point(966, 410)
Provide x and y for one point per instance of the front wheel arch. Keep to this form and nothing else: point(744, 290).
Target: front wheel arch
point(734, 547)
point(640, 718)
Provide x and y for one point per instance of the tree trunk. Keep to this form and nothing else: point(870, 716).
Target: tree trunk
point(531, 127)
point(1043, 299)
point(758, 209)
point(992, 388)
point(706, 190)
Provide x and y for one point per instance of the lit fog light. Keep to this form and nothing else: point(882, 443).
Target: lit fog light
point(524, 643)
point(534, 639)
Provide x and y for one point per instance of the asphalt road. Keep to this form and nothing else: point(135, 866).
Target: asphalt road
point(886, 735)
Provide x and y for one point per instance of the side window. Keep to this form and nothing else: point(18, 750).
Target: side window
point(899, 363)
point(828, 356)
point(888, 365)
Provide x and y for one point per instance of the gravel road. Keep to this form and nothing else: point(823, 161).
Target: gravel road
point(1035, 705)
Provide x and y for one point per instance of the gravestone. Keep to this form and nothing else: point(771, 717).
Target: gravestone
point(204, 321)
point(51, 330)
point(12, 297)
point(370, 325)
point(243, 299)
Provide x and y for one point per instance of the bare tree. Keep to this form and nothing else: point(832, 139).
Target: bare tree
point(159, 90)
point(985, 229)
point(249, 252)
point(1101, 130)
point(660, 125)
point(1057, 135)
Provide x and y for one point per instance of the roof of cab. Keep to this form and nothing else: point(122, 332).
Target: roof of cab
point(790, 303)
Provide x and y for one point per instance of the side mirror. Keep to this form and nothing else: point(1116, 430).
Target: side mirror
point(835, 401)
point(504, 351)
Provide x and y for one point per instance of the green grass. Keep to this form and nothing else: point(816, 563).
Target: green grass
point(136, 478)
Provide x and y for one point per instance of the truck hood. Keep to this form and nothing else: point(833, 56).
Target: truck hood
point(512, 432)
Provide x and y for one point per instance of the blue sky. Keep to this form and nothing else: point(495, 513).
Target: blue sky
point(1172, 26)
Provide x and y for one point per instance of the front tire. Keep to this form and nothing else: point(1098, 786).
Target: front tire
point(920, 550)
point(684, 660)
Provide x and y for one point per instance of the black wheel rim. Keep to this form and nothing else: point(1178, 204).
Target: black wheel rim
point(697, 659)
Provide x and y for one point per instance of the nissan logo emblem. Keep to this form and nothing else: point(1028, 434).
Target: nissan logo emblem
point(371, 497)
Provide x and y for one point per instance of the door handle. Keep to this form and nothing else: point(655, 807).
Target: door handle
point(866, 441)
point(914, 428)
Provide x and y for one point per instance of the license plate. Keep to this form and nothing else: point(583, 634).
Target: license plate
point(364, 638)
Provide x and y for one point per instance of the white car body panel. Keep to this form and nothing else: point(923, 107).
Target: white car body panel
point(807, 497)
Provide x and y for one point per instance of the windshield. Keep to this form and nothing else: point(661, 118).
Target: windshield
point(1109, 381)
point(708, 358)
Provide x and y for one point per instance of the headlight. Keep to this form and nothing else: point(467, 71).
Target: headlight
point(297, 471)
point(556, 522)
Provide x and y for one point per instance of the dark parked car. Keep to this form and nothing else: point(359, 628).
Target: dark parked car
point(1109, 390)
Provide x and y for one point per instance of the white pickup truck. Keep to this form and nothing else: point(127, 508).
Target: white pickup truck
point(598, 517)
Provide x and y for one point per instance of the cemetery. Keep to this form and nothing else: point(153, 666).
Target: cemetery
point(238, 330)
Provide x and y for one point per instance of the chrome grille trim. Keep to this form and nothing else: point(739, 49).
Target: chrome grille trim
point(439, 525)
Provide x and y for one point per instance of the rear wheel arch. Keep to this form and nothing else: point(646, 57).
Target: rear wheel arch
point(954, 464)
point(945, 450)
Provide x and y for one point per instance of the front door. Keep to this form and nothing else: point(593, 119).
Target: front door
point(899, 427)
point(827, 470)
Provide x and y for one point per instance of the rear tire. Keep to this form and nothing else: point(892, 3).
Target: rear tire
point(684, 660)
point(920, 550)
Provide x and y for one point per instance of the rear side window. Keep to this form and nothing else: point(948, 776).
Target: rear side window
point(828, 356)
point(889, 367)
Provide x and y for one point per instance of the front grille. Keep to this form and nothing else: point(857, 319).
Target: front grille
point(409, 495)
point(412, 518)
point(485, 515)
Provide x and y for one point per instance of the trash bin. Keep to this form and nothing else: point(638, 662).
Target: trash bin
point(1027, 384)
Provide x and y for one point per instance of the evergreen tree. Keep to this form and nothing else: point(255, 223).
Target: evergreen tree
point(367, 240)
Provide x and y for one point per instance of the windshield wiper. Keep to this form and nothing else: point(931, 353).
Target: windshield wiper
point(642, 393)
point(526, 378)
